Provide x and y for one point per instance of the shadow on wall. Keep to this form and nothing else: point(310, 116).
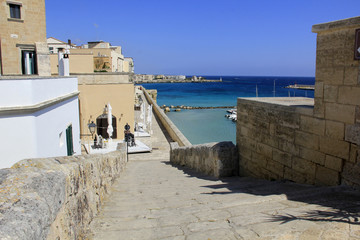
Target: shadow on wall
point(342, 204)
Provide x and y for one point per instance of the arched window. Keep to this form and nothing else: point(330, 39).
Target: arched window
point(102, 126)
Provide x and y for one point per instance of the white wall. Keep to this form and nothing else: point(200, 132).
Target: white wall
point(24, 92)
point(53, 121)
point(37, 134)
point(17, 139)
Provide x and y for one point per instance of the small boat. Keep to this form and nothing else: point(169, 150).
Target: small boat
point(231, 110)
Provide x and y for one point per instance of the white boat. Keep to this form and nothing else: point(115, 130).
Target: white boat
point(231, 110)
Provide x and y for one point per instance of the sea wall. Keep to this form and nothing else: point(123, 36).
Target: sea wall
point(214, 159)
point(56, 198)
point(170, 127)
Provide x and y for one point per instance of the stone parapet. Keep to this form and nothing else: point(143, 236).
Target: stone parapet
point(170, 127)
point(214, 159)
point(104, 78)
point(55, 198)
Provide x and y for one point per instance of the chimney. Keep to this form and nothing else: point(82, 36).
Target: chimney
point(69, 42)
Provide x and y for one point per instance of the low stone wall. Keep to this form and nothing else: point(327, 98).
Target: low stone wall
point(214, 159)
point(288, 142)
point(55, 198)
point(104, 78)
point(170, 127)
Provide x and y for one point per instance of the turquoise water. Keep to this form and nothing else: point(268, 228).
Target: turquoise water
point(210, 125)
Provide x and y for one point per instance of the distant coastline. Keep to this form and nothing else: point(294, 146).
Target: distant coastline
point(146, 78)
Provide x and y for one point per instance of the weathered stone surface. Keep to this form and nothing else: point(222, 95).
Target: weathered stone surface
point(330, 93)
point(333, 111)
point(326, 176)
point(215, 159)
point(334, 163)
point(352, 134)
point(335, 130)
point(55, 198)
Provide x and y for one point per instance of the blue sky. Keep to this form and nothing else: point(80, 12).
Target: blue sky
point(203, 37)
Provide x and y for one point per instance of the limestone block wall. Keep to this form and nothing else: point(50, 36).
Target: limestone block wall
point(337, 95)
point(316, 147)
point(214, 159)
point(55, 198)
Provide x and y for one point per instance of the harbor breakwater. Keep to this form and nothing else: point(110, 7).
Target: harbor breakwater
point(177, 108)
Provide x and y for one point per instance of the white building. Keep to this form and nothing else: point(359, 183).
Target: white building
point(54, 44)
point(39, 117)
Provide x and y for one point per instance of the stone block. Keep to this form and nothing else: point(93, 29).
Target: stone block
point(330, 93)
point(353, 153)
point(303, 166)
point(326, 176)
point(295, 176)
point(319, 89)
point(312, 155)
point(349, 95)
point(285, 133)
point(352, 134)
point(282, 157)
point(334, 130)
point(288, 147)
point(334, 163)
point(351, 173)
point(351, 76)
point(264, 149)
point(335, 147)
point(330, 75)
point(259, 159)
point(244, 152)
point(312, 125)
point(307, 140)
point(357, 114)
point(319, 108)
point(340, 112)
point(275, 167)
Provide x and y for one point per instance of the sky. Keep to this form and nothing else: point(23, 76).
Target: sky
point(202, 37)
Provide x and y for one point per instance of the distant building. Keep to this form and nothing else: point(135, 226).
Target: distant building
point(56, 44)
point(128, 65)
point(92, 57)
point(23, 48)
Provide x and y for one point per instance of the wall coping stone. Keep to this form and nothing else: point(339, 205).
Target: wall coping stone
point(334, 25)
point(57, 197)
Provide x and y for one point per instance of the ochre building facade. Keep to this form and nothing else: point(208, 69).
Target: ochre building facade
point(23, 38)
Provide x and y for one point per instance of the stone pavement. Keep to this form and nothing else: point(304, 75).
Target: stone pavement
point(155, 200)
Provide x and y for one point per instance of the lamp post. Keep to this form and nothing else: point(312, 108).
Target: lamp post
point(92, 127)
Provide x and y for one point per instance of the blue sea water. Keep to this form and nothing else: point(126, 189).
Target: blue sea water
point(210, 125)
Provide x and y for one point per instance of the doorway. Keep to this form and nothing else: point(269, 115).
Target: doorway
point(28, 62)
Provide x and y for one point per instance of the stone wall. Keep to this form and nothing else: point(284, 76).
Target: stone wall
point(104, 78)
point(214, 159)
point(170, 127)
point(55, 198)
point(319, 146)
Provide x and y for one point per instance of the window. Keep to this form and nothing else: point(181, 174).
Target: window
point(69, 141)
point(15, 11)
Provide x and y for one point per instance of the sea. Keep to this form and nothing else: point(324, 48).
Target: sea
point(211, 125)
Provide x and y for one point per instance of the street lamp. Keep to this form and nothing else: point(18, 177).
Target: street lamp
point(92, 127)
